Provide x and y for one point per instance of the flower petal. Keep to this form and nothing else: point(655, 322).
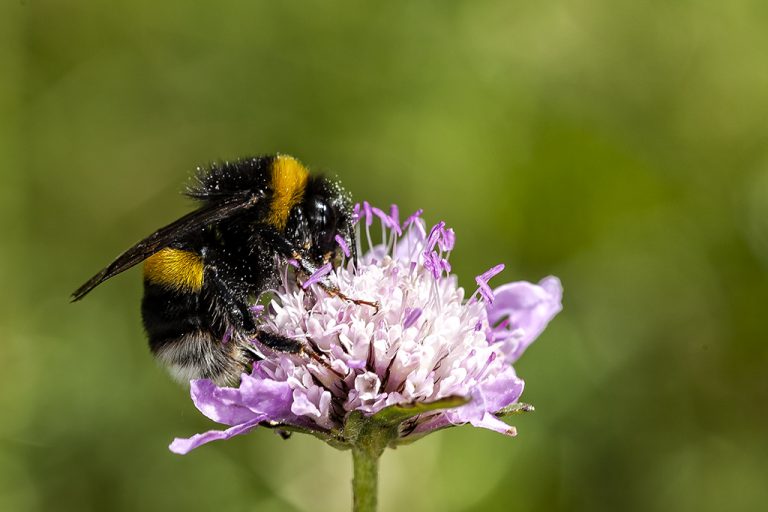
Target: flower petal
point(302, 406)
point(223, 405)
point(502, 390)
point(490, 396)
point(183, 446)
point(266, 396)
point(521, 311)
point(491, 422)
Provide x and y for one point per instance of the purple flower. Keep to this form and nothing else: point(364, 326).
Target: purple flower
point(425, 359)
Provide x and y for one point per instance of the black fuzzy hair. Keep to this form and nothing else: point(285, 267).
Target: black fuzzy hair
point(224, 179)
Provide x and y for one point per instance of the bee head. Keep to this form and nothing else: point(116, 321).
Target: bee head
point(323, 214)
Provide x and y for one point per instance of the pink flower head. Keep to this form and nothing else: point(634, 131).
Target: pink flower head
point(425, 358)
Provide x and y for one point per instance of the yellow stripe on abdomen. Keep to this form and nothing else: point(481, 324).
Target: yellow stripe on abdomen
point(174, 268)
point(289, 179)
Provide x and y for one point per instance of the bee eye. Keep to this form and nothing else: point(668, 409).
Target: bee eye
point(322, 221)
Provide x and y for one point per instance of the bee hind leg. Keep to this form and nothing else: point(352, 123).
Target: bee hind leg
point(280, 343)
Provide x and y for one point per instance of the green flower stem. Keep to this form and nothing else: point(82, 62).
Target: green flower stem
point(368, 437)
point(365, 479)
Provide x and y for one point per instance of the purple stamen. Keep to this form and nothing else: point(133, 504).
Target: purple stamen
point(482, 282)
point(227, 335)
point(488, 274)
point(256, 309)
point(394, 214)
point(368, 212)
point(292, 262)
point(490, 360)
point(343, 244)
point(386, 222)
point(383, 216)
point(435, 264)
point(485, 290)
point(317, 276)
point(410, 220)
point(434, 235)
point(447, 240)
point(411, 315)
point(431, 265)
point(356, 213)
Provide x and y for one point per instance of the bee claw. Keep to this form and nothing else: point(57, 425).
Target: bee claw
point(359, 302)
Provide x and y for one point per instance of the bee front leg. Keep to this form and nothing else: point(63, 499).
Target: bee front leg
point(333, 290)
point(306, 268)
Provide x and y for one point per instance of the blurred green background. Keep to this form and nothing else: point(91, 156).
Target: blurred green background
point(619, 145)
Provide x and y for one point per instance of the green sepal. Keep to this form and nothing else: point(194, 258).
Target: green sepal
point(332, 437)
point(396, 414)
point(517, 408)
point(411, 438)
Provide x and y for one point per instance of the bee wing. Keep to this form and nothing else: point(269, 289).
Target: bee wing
point(166, 235)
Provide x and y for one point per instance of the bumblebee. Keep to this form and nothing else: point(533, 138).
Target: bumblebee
point(204, 271)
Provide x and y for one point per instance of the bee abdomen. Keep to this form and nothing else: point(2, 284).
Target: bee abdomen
point(169, 314)
point(182, 337)
point(201, 355)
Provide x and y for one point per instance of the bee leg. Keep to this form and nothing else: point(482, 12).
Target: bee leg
point(279, 343)
point(237, 310)
point(333, 290)
point(287, 345)
point(353, 245)
point(306, 268)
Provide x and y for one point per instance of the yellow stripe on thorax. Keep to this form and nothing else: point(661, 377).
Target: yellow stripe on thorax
point(289, 178)
point(174, 268)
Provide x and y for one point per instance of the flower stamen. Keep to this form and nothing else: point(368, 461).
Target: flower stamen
point(482, 282)
point(317, 275)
